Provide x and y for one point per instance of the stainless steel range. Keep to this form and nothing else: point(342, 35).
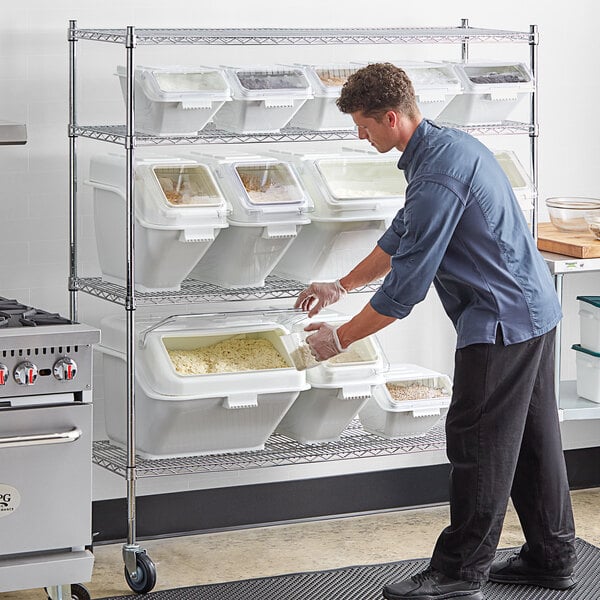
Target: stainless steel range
point(45, 451)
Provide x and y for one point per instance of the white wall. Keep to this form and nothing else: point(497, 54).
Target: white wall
point(34, 78)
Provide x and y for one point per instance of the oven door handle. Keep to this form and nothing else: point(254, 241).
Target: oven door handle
point(39, 439)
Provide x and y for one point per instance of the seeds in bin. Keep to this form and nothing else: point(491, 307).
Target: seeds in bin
point(413, 391)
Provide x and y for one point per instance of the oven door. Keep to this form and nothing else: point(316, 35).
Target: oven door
point(45, 478)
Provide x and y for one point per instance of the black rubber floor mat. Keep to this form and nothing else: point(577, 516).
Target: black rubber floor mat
point(365, 583)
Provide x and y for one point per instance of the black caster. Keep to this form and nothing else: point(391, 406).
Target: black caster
point(144, 578)
point(78, 592)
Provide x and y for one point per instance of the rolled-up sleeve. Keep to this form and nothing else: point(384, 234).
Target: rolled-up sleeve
point(417, 240)
point(390, 240)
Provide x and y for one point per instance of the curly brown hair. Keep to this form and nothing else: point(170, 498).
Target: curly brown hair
point(377, 88)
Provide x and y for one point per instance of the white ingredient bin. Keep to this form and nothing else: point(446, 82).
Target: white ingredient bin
point(589, 322)
point(264, 98)
point(339, 387)
point(175, 100)
point(587, 363)
point(435, 84)
point(491, 92)
point(179, 212)
point(269, 208)
point(519, 179)
point(321, 112)
point(355, 198)
point(385, 416)
point(226, 410)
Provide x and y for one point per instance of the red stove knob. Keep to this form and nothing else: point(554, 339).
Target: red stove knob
point(25, 373)
point(3, 374)
point(65, 369)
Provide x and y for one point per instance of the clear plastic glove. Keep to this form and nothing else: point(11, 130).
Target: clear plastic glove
point(319, 295)
point(325, 343)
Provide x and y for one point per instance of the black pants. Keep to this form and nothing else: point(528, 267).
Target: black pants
point(503, 439)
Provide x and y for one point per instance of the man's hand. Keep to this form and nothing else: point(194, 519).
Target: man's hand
point(319, 295)
point(324, 343)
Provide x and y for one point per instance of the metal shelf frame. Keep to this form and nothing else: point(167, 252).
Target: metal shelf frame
point(286, 37)
point(279, 450)
point(117, 134)
point(193, 291)
point(352, 444)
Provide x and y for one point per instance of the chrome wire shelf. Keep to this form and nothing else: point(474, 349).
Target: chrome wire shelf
point(279, 36)
point(116, 134)
point(279, 450)
point(193, 291)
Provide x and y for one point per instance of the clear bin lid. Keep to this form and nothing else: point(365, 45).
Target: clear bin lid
point(329, 78)
point(267, 183)
point(513, 169)
point(271, 79)
point(334, 75)
point(187, 185)
point(357, 179)
point(430, 75)
point(190, 81)
point(177, 83)
point(496, 74)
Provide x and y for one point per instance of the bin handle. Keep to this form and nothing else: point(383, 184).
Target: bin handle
point(426, 412)
point(354, 392)
point(278, 103)
point(242, 400)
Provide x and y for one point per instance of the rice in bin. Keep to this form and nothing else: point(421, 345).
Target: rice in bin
point(228, 356)
point(413, 391)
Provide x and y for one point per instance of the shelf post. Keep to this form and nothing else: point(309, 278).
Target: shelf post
point(72, 173)
point(131, 548)
point(464, 47)
point(534, 129)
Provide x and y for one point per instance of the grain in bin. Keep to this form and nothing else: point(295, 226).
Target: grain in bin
point(410, 402)
point(175, 100)
point(203, 384)
point(355, 196)
point(339, 387)
point(179, 212)
point(264, 98)
point(269, 208)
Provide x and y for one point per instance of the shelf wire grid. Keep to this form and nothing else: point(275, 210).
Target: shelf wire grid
point(279, 450)
point(316, 36)
point(117, 134)
point(193, 291)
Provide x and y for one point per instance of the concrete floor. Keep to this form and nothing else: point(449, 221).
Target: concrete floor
point(326, 544)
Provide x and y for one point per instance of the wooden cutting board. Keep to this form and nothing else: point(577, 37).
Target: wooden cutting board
point(581, 244)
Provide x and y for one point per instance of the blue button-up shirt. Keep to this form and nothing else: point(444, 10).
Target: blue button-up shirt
point(462, 229)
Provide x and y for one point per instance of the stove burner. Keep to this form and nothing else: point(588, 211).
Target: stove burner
point(43, 318)
point(15, 314)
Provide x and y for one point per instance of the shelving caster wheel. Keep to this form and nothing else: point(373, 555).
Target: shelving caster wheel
point(75, 591)
point(141, 575)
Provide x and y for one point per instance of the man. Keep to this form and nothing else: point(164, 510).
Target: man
point(462, 229)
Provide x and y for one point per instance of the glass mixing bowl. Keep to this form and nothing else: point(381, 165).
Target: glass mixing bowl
point(570, 213)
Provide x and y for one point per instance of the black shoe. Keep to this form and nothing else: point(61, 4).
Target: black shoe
point(433, 585)
point(515, 570)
